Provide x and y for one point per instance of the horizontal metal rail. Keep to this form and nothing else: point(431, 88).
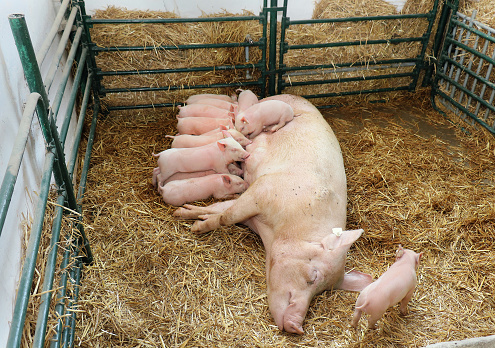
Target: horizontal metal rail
point(348, 93)
point(95, 48)
point(92, 21)
point(346, 79)
point(178, 70)
point(358, 19)
point(354, 43)
point(372, 64)
point(176, 88)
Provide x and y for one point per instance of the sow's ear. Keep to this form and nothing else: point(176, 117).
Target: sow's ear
point(339, 238)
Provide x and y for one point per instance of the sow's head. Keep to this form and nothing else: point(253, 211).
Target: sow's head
point(297, 270)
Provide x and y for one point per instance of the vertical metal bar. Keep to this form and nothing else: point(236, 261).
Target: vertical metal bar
point(45, 298)
point(67, 71)
point(72, 99)
point(41, 324)
point(461, 59)
point(426, 39)
point(443, 23)
point(483, 89)
point(272, 56)
point(48, 126)
point(41, 55)
point(24, 289)
point(283, 27)
point(10, 178)
point(80, 123)
point(454, 57)
point(466, 78)
point(60, 49)
point(478, 70)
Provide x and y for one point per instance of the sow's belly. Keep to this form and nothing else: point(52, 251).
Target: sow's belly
point(299, 169)
point(305, 148)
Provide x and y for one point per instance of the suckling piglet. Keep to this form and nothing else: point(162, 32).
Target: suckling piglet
point(179, 192)
point(246, 99)
point(219, 103)
point(216, 156)
point(200, 125)
point(253, 120)
point(188, 140)
point(195, 98)
point(396, 285)
point(203, 110)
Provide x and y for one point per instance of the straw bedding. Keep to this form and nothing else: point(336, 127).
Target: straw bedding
point(154, 283)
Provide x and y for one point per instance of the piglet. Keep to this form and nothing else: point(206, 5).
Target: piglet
point(200, 125)
point(187, 140)
point(219, 103)
point(194, 98)
point(203, 110)
point(216, 156)
point(254, 119)
point(246, 99)
point(395, 285)
point(157, 181)
point(179, 192)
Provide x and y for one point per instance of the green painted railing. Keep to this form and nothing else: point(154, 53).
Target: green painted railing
point(464, 81)
point(260, 66)
point(418, 63)
point(55, 166)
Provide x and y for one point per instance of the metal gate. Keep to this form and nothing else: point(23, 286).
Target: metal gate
point(337, 73)
point(464, 80)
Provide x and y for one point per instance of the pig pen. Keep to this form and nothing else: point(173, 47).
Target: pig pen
point(413, 180)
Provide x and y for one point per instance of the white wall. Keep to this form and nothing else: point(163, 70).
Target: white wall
point(40, 14)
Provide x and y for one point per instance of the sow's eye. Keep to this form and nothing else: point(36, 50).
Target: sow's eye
point(312, 277)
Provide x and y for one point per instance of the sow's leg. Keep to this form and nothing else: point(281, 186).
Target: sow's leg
point(192, 212)
point(225, 213)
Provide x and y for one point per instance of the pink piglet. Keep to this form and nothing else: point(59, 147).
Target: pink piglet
point(396, 285)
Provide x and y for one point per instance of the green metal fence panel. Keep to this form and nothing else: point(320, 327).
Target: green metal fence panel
point(55, 165)
point(366, 68)
point(464, 83)
point(248, 44)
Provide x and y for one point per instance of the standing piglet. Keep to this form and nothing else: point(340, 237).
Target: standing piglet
point(219, 186)
point(395, 285)
point(215, 156)
point(201, 125)
point(254, 119)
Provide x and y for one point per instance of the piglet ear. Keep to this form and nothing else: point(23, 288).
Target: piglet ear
point(418, 258)
point(223, 127)
point(244, 120)
point(226, 179)
point(221, 145)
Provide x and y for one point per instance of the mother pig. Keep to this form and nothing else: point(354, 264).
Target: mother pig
point(297, 195)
